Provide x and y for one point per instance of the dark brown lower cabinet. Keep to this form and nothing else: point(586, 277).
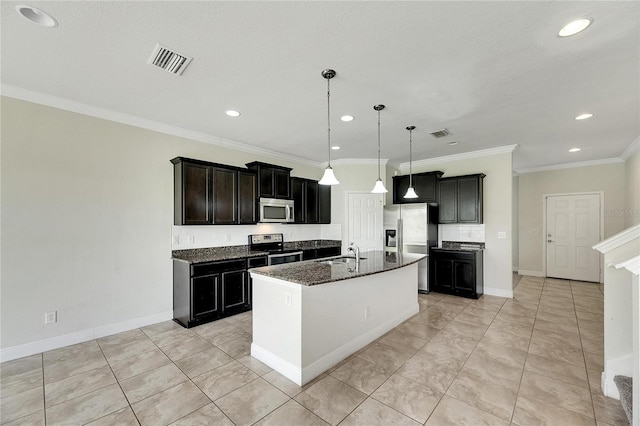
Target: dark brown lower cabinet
point(459, 273)
point(320, 252)
point(204, 292)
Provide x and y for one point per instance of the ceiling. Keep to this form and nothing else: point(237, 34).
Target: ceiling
point(493, 73)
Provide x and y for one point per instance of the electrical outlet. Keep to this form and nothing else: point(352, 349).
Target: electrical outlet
point(192, 239)
point(227, 238)
point(287, 299)
point(367, 312)
point(50, 317)
point(176, 239)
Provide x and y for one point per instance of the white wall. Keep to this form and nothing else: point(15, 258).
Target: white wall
point(497, 165)
point(632, 178)
point(608, 178)
point(87, 214)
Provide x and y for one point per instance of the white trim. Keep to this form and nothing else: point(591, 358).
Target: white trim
point(619, 239)
point(631, 149)
point(358, 162)
point(531, 273)
point(599, 162)
point(132, 120)
point(620, 366)
point(40, 346)
point(500, 292)
point(544, 226)
point(310, 372)
point(514, 268)
point(632, 265)
point(457, 157)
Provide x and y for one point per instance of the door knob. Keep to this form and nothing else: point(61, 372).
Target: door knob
point(550, 241)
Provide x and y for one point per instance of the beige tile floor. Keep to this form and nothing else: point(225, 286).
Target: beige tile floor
point(535, 359)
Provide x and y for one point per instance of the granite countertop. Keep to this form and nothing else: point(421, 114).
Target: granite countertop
point(460, 246)
point(314, 272)
point(212, 254)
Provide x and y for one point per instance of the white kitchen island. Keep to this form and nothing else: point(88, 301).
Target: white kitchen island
point(308, 316)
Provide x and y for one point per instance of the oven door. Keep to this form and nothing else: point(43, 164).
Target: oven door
point(280, 258)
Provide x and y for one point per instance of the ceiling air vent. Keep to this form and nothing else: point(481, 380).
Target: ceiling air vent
point(169, 60)
point(441, 133)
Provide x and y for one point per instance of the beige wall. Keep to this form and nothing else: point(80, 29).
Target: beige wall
point(632, 178)
point(608, 178)
point(515, 215)
point(497, 211)
point(87, 213)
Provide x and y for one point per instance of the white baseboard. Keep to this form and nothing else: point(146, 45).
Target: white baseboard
point(302, 376)
point(619, 366)
point(44, 345)
point(489, 291)
point(531, 273)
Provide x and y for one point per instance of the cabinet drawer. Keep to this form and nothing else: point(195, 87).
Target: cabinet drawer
point(201, 269)
point(256, 262)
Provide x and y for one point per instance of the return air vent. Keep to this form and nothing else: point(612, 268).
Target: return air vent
point(441, 133)
point(169, 60)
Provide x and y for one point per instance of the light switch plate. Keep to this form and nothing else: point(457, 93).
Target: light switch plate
point(502, 235)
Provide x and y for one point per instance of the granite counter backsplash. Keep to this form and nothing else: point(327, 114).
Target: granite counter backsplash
point(457, 245)
point(212, 254)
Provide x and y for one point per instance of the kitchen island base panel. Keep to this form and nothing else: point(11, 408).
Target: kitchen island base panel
point(301, 331)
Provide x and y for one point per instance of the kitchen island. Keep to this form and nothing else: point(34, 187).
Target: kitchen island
point(308, 316)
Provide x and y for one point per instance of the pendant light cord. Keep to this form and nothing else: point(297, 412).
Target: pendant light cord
point(329, 121)
point(410, 152)
point(379, 145)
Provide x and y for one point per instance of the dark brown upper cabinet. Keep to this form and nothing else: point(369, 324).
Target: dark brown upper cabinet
point(425, 185)
point(213, 194)
point(461, 199)
point(273, 181)
point(308, 195)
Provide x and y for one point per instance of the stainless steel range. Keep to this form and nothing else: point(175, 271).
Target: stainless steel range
point(274, 245)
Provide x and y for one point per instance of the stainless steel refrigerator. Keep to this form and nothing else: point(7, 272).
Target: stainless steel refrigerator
point(412, 228)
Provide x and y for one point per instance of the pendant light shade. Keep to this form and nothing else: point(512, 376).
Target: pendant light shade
point(411, 193)
point(379, 187)
point(328, 178)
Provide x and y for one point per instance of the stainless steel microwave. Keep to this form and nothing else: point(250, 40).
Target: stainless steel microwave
point(276, 210)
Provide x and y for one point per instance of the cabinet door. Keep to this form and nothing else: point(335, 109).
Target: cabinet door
point(205, 297)
point(247, 210)
point(224, 196)
point(298, 195)
point(196, 194)
point(234, 289)
point(400, 186)
point(443, 275)
point(426, 188)
point(324, 203)
point(464, 277)
point(447, 212)
point(312, 213)
point(267, 178)
point(282, 184)
point(468, 200)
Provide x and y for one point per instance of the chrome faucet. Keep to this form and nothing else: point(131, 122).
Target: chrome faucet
point(356, 251)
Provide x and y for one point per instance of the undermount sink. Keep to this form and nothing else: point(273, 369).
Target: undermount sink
point(341, 260)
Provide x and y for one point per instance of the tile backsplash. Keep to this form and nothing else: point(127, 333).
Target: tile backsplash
point(187, 237)
point(461, 232)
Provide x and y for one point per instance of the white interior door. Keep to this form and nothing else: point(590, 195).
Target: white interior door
point(573, 227)
point(365, 221)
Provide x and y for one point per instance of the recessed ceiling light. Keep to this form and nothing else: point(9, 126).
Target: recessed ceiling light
point(232, 113)
point(335, 147)
point(575, 149)
point(347, 118)
point(574, 27)
point(36, 16)
point(453, 143)
point(584, 116)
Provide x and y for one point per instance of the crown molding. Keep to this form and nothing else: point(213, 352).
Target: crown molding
point(132, 120)
point(462, 156)
point(599, 162)
point(631, 149)
point(619, 239)
point(358, 162)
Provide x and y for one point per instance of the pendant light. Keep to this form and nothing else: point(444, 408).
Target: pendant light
point(379, 187)
point(411, 193)
point(328, 178)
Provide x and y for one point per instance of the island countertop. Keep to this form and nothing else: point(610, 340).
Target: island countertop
point(314, 272)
